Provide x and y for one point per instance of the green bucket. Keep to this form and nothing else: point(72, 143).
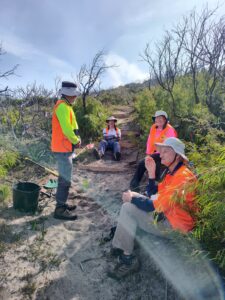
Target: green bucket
point(25, 196)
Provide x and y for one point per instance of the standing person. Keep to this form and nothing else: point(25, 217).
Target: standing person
point(65, 138)
point(174, 201)
point(159, 131)
point(111, 138)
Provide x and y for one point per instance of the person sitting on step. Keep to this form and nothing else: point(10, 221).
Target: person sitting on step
point(111, 138)
point(159, 131)
point(172, 201)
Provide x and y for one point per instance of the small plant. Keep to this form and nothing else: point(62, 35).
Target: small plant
point(29, 289)
point(4, 194)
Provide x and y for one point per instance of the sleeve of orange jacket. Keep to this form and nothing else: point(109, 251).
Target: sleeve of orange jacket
point(63, 115)
point(148, 148)
point(174, 194)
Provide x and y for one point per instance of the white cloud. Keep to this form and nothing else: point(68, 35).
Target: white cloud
point(125, 72)
point(26, 51)
point(18, 47)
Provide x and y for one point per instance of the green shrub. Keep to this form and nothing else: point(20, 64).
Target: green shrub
point(91, 123)
point(4, 194)
point(209, 161)
point(7, 161)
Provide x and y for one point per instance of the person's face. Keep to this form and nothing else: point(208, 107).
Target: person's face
point(167, 155)
point(71, 98)
point(111, 123)
point(160, 121)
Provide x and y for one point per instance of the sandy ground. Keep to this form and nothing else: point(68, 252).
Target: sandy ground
point(45, 258)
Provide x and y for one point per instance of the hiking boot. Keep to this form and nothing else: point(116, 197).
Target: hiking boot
point(113, 253)
point(97, 154)
point(126, 266)
point(71, 207)
point(63, 213)
point(117, 156)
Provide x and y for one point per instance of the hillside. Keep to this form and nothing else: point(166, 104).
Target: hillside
point(44, 258)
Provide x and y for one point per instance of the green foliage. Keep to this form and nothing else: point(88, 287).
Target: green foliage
point(117, 96)
point(209, 161)
point(145, 107)
point(8, 159)
point(4, 194)
point(92, 122)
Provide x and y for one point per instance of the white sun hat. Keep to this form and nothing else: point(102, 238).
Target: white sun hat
point(68, 89)
point(159, 113)
point(175, 144)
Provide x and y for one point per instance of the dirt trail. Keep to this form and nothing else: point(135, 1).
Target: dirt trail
point(51, 259)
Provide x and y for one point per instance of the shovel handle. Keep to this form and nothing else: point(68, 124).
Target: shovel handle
point(53, 172)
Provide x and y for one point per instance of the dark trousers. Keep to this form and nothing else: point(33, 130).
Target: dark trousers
point(135, 181)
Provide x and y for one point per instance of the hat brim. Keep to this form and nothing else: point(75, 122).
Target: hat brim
point(153, 117)
point(179, 153)
point(69, 92)
point(115, 120)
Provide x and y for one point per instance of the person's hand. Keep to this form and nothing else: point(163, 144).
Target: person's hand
point(127, 196)
point(150, 165)
point(78, 145)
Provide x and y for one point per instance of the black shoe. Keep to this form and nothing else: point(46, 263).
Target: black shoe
point(63, 213)
point(115, 252)
point(97, 154)
point(123, 269)
point(117, 156)
point(71, 207)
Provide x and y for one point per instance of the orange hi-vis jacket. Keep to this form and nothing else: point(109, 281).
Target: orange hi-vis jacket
point(63, 125)
point(169, 131)
point(117, 131)
point(176, 199)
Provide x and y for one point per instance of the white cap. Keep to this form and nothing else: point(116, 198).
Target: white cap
point(160, 113)
point(175, 144)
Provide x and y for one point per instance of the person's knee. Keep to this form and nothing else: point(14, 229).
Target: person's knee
point(128, 207)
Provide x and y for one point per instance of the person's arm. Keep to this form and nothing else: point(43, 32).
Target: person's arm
point(143, 203)
point(152, 187)
point(63, 115)
point(104, 134)
point(171, 132)
point(148, 148)
point(119, 135)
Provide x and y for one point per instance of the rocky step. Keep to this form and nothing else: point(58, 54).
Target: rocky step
point(101, 167)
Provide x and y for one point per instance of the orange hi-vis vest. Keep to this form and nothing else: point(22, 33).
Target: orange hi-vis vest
point(159, 139)
point(60, 143)
point(107, 130)
point(176, 199)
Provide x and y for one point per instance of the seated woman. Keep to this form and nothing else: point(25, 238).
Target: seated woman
point(159, 131)
point(173, 200)
point(111, 138)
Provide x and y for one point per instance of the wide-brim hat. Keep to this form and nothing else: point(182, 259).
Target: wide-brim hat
point(176, 145)
point(69, 89)
point(111, 119)
point(159, 113)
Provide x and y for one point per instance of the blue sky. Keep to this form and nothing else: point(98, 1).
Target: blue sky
point(53, 38)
